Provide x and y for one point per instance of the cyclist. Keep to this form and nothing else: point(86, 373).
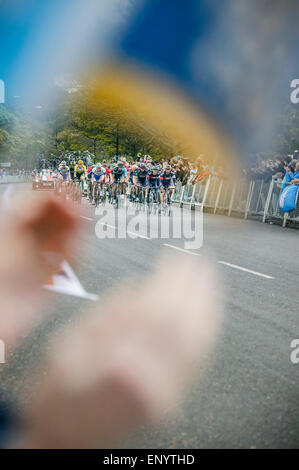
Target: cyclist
point(108, 173)
point(98, 172)
point(119, 176)
point(89, 171)
point(153, 182)
point(133, 169)
point(167, 182)
point(80, 171)
point(72, 169)
point(139, 179)
point(97, 176)
point(64, 171)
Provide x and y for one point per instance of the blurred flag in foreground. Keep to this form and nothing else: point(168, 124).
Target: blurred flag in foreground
point(203, 70)
point(209, 74)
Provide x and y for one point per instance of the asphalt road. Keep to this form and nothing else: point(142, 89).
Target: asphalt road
point(249, 395)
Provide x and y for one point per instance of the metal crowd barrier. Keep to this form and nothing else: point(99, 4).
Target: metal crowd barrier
point(257, 197)
point(248, 199)
point(292, 216)
point(15, 179)
point(272, 210)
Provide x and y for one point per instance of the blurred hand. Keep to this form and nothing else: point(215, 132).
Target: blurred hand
point(33, 225)
point(129, 362)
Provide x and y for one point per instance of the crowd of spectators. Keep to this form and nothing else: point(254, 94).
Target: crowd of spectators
point(187, 171)
point(282, 167)
point(12, 172)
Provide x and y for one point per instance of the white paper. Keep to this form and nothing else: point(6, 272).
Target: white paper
point(66, 282)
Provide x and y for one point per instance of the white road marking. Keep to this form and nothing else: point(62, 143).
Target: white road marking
point(138, 235)
point(86, 218)
point(107, 225)
point(181, 249)
point(256, 273)
point(188, 252)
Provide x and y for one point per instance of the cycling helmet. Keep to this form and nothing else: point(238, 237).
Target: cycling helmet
point(98, 166)
point(143, 166)
point(63, 163)
point(80, 162)
point(120, 164)
point(167, 167)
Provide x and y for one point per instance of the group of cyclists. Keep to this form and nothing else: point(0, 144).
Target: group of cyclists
point(142, 182)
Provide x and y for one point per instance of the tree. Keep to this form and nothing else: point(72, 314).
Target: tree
point(288, 131)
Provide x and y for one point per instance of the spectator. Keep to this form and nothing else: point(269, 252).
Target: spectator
point(182, 173)
point(295, 175)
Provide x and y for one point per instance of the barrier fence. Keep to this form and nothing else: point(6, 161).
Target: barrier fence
point(248, 199)
point(15, 179)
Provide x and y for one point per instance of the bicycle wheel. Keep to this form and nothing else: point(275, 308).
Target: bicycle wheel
point(96, 195)
point(149, 201)
point(79, 194)
point(119, 196)
point(168, 201)
point(90, 192)
point(143, 203)
point(155, 202)
point(101, 195)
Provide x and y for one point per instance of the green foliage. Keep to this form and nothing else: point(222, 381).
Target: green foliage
point(19, 143)
point(73, 122)
point(288, 131)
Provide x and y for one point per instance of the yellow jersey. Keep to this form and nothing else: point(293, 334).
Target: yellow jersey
point(79, 170)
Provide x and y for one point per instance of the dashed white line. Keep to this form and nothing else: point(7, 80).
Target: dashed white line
point(181, 249)
point(256, 273)
point(138, 235)
point(107, 225)
point(188, 252)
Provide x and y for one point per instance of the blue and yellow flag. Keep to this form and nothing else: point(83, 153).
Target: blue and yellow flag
point(210, 74)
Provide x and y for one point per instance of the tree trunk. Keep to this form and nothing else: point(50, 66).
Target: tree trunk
point(117, 139)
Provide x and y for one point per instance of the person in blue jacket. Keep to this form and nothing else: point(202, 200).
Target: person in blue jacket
point(290, 176)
